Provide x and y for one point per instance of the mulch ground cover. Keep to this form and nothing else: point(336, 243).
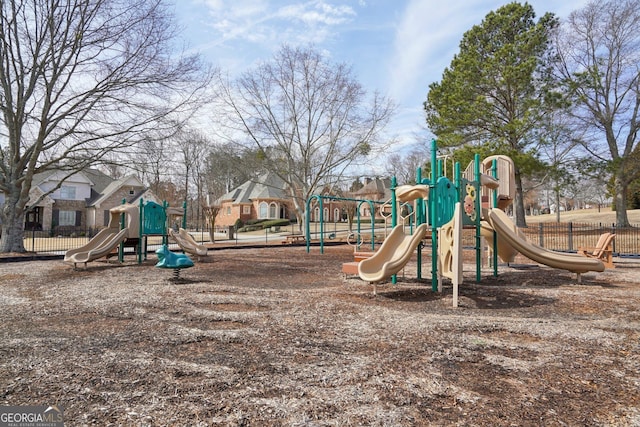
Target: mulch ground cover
point(278, 336)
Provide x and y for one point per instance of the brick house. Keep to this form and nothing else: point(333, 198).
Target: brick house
point(374, 189)
point(262, 198)
point(266, 198)
point(82, 201)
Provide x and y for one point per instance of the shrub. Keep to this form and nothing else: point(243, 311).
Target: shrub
point(275, 223)
point(261, 224)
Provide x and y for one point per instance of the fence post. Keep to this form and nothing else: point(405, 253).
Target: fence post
point(541, 234)
point(570, 242)
point(613, 230)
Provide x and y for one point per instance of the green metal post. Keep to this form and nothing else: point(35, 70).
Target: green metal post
point(165, 208)
point(321, 225)
point(419, 220)
point(184, 214)
point(458, 180)
point(432, 209)
point(307, 223)
point(140, 231)
point(372, 209)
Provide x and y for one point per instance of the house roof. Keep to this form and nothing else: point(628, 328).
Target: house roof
point(100, 180)
point(376, 186)
point(114, 186)
point(266, 186)
point(55, 175)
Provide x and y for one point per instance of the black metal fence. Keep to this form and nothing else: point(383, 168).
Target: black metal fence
point(58, 241)
point(571, 236)
point(563, 237)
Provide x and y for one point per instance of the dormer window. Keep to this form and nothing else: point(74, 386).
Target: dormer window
point(131, 192)
point(67, 192)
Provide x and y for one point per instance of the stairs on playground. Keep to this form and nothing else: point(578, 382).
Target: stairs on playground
point(351, 268)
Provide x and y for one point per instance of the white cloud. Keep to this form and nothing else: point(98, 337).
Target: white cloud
point(428, 36)
point(426, 40)
point(264, 21)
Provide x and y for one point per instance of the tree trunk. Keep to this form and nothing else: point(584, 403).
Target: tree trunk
point(300, 213)
point(13, 234)
point(211, 223)
point(518, 205)
point(620, 201)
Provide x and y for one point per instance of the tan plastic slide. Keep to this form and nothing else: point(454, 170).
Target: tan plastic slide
point(187, 243)
point(100, 246)
point(575, 263)
point(406, 193)
point(506, 252)
point(393, 255)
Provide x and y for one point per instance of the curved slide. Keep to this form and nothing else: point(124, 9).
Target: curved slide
point(506, 252)
point(187, 242)
point(575, 263)
point(100, 246)
point(393, 255)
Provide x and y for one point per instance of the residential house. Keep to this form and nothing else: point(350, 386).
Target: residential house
point(375, 189)
point(266, 197)
point(262, 198)
point(332, 210)
point(82, 201)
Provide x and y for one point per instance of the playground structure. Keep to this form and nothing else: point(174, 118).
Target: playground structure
point(575, 263)
point(176, 262)
point(475, 199)
point(397, 248)
point(187, 243)
point(123, 224)
point(129, 225)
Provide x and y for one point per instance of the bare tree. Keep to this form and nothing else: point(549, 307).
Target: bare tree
point(599, 51)
point(558, 148)
point(192, 147)
point(308, 117)
point(151, 159)
point(227, 166)
point(80, 80)
point(210, 212)
point(404, 167)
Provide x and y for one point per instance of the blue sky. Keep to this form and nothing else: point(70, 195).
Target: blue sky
point(397, 47)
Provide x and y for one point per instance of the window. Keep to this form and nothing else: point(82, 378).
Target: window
point(264, 210)
point(228, 210)
point(246, 210)
point(67, 192)
point(336, 215)
point(67, 218)
point(273, 209)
